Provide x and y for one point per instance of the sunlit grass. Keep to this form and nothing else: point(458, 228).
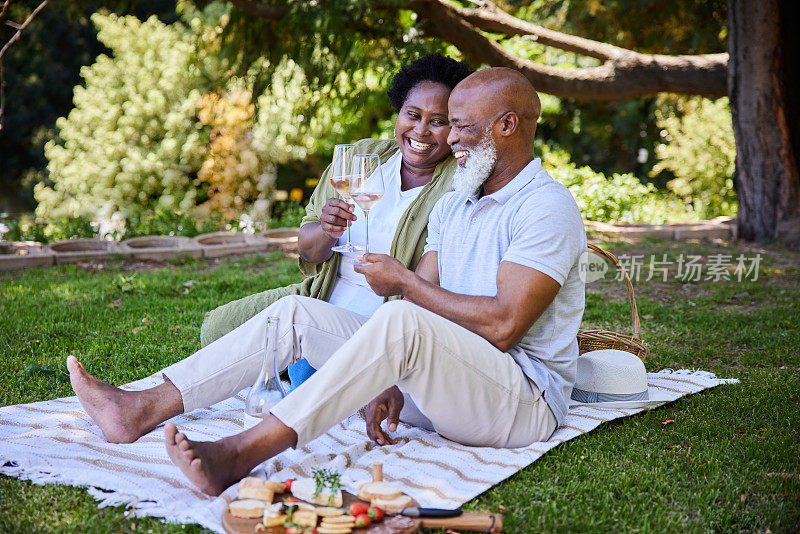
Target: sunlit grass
point(729, 462)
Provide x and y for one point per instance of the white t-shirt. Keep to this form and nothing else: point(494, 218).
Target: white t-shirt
point(351, 291)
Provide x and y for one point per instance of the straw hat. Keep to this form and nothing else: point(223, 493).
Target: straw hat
point(613, 378)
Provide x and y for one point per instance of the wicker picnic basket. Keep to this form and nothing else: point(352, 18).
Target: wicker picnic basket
point(589, 340)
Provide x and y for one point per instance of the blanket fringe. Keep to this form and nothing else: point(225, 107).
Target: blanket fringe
point(698, 373)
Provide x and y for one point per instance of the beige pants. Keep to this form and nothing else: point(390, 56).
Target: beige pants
point(468, 390)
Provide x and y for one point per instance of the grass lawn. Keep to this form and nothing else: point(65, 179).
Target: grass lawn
point(728, 461)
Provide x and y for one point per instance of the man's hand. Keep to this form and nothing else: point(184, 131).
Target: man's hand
point(335, 214)
point(386, 405)
point(384, 273)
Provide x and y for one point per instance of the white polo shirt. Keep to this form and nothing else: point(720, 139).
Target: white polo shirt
point(532, 221)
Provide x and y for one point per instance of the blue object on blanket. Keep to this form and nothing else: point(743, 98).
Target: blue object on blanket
point(300, 372)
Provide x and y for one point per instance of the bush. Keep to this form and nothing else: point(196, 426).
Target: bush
point(236, 169)
point(61, 228)
point(132, 143)
point(620, 198)
point(165, 222)
point(700, 151)
point(162, 222)
point(287, 214)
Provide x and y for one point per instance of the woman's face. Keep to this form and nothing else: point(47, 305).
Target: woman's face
point(422, 127)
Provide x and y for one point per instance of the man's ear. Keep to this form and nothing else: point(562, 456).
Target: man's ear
point(509, 123)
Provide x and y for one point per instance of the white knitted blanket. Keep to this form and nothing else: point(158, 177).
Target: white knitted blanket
point(55, 442)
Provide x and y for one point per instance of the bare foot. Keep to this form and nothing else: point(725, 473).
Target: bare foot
point(212, 466)
point(119, 414)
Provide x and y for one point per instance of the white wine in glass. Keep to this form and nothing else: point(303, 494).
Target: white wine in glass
point(341, 167)
point(366, 186)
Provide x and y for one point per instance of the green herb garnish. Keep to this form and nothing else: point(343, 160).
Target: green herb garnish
point(327, 479)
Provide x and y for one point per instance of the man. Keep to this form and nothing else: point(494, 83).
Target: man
point(482, 348)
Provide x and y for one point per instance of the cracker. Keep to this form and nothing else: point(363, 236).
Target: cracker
point(334, 530)
point(339, 520)
point(329, 511)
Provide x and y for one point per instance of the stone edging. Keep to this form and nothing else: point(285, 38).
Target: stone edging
point(719, 228)
point(24, 254)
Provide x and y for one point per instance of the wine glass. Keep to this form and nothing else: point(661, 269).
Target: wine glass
point(366, 186)
point(341, 168)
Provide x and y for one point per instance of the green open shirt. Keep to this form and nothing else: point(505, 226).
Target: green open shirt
point(407, 245)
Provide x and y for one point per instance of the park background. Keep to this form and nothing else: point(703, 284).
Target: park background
point(130, 118)
point(202, 110)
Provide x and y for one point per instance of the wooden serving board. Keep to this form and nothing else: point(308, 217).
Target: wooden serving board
point(471, 521)
point(238, 525)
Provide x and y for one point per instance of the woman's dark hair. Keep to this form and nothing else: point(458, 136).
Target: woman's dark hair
point(431, 68)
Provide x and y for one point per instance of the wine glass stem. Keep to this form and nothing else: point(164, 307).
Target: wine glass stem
point(348, 232)
point(366, 230)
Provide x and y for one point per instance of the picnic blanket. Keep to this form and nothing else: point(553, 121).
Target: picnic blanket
point(55, 442)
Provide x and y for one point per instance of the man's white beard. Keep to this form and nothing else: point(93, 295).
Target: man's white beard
point(479, 166)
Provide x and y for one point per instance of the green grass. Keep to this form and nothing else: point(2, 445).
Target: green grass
point(712, 469)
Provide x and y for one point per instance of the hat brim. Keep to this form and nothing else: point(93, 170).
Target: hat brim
point(656, 396)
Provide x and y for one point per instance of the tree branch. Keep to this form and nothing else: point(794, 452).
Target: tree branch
point(13, 39)
point(22, 27)
point(624, 73)
point(627, 74)
point(490, 18)
point(4, 9)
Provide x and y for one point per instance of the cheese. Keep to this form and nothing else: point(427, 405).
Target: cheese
point(304, 489)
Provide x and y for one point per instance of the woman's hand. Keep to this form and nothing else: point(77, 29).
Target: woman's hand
point(316, 239)
point(386, 405)
point(335, 214)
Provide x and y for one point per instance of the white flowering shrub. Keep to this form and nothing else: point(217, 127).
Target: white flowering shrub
point(161, 126)
point(132, 143)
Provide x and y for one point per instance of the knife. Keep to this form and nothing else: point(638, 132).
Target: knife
point(414, 511)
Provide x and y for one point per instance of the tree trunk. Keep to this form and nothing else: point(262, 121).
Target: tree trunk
point(765, 103)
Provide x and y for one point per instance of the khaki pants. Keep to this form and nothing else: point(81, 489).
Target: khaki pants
point(468, 390)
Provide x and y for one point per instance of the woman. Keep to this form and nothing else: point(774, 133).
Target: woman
point(418, 165)
point(417, 169)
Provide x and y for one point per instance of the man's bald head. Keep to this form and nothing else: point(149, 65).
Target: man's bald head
point(504, 88)
point(498, 96)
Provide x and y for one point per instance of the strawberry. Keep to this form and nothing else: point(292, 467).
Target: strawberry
point(362, 521)
point(288, 484)
point(375, 513)
point(358, 508)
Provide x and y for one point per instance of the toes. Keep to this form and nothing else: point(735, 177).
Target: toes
point(196, 464)
point(190, 455)
point(184, 445)
point(170, 433)
point(73, 365)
